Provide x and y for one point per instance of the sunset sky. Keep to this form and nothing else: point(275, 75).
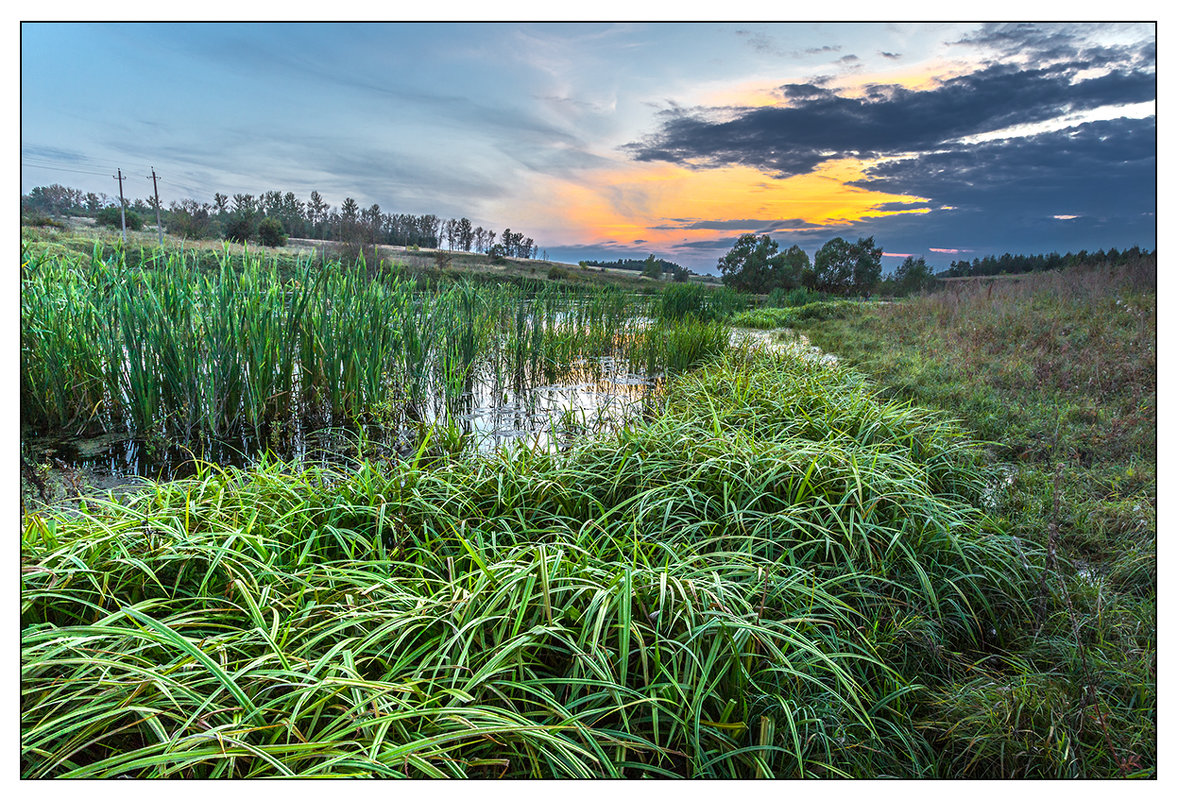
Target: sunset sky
point(617, 140)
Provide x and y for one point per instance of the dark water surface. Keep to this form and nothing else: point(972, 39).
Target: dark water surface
point(594, 396)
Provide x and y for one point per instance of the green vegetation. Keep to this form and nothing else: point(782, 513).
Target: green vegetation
point(681, 301)
point(270, 233)
point(237, 219)
point(112, 217)
point(165, 348)
point(754, 265)
point(1007, 264)
point(780, 298)
point(651, 266)
point(932, 557)
point(1059, 373)
point(845, 268)
point(770, 317)
point(763, 580)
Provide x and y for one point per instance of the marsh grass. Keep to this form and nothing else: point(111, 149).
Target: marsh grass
point(759, 580)
point(180, 350)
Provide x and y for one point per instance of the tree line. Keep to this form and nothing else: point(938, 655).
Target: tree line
point(651, 267)
point(1007, 263)
point(256, 218)
point(840, 267)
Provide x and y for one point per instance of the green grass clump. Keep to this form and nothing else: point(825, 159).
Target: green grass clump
point(681, 301)
point(781, 298)
point(766, 578)
point(771, 317)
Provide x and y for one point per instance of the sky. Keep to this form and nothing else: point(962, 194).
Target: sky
point(604, 141)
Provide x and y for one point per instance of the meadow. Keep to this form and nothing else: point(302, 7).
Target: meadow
point(1056, 373)
point(783, 567)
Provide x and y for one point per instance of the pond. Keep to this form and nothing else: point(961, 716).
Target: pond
point(594, 395)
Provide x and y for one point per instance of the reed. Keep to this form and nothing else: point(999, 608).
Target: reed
point(169, 348)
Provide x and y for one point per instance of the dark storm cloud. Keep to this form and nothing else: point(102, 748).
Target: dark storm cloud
point(820, 124)
point(1004, 194)
point(1099, 167)
point(708, 244)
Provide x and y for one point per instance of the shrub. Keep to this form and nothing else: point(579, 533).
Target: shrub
point(557, 273)
point(239, 228)
point(111, 218)
point(41, 221)
point(271, 233)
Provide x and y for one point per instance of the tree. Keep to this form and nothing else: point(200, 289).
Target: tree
point(243, 204)
point(651, 268)
point(239, 228)
point(465, 234)
point(316, 213)
point(843, 268)
point(795, 263)
point(867, 268)
point(189, 219)
point(271, 233)
point(753, 264)
point(914, 275)
point(349, 215)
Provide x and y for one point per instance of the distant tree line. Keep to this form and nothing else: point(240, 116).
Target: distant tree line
point(1007, 263)
point(840, 267)
point(241, 217)
point(651, 266)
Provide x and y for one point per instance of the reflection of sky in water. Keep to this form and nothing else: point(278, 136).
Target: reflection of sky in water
point(593, 395)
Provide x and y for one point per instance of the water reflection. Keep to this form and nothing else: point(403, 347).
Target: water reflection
point(592, 396)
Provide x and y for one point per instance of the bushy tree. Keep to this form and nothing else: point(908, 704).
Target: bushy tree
point(843, 268)
point(271, 233)
point(748, 266)
point(914, 275)
point(239, 228)
point(795, 264)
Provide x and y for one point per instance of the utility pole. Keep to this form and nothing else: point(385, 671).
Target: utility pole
point(158, 225)
point(122, 205)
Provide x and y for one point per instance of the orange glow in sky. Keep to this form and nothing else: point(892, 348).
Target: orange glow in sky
point(656, 202)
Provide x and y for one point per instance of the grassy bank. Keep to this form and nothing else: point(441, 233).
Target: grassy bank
point(775, 575)
point(1058, 372)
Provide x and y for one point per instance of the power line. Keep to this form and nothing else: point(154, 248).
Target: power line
point(60, 169)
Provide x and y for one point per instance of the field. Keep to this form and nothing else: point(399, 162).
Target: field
point(931, 556)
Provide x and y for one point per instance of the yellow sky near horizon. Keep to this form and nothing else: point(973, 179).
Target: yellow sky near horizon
point(655, 201)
